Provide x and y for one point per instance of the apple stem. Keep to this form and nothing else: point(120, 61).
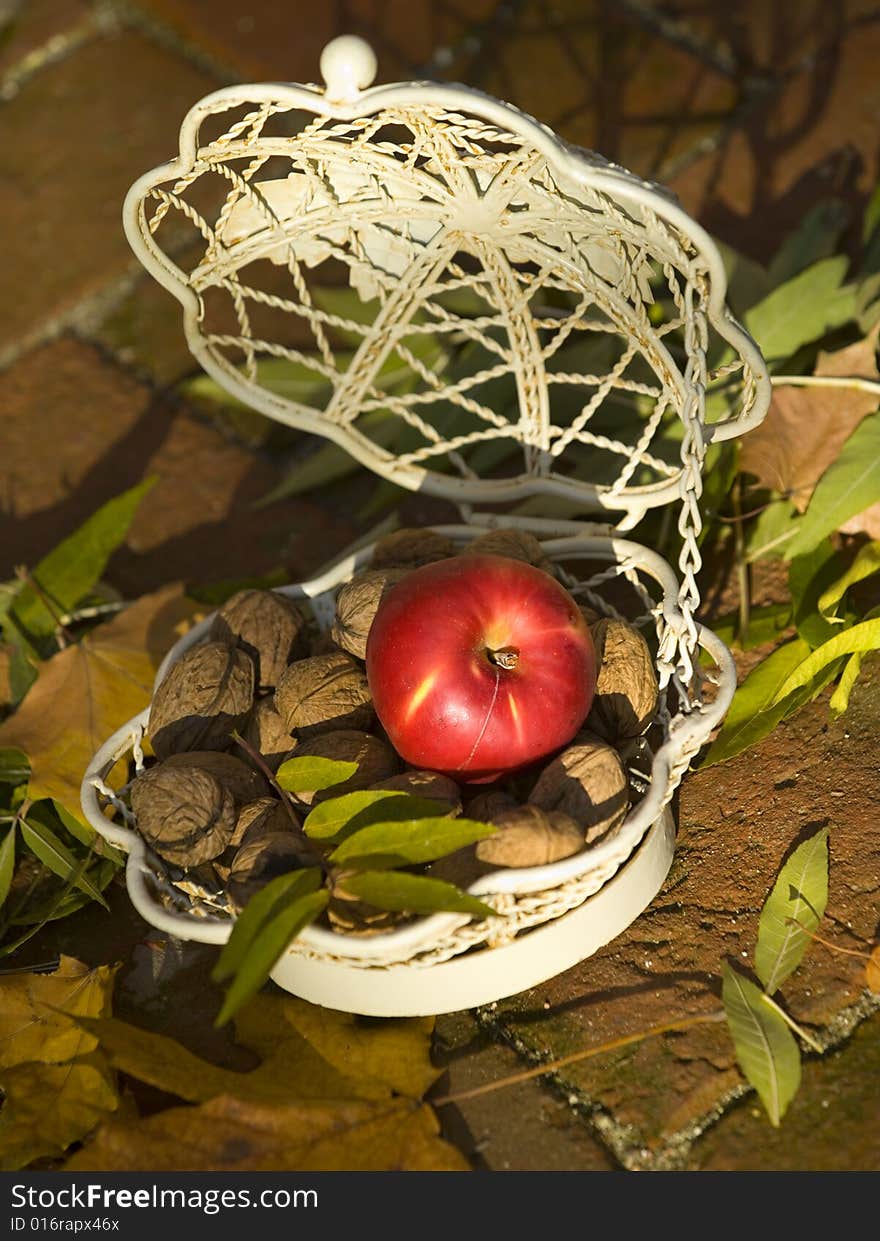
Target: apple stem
point(504, 657)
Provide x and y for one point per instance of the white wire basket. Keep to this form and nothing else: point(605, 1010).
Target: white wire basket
point(554, 318)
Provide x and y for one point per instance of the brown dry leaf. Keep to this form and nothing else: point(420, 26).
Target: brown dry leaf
point(805, 428)
point(87, 691)
point(56, 1085)
point(230, 1135)
point(872, 971)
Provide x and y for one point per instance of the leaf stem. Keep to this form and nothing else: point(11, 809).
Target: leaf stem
point(792, 1024)
point(551, 1066)
point(826, 381)
point(850, 952)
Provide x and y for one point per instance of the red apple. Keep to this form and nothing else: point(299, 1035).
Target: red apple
point(479, 665)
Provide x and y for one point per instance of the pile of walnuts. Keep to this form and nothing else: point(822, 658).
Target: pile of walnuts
point(264, 672)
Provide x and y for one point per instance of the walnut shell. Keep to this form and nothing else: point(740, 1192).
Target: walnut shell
point(515, 544)
point(235, 775)
point(430, 784)
point(266, 732)
point(184, 814)
point(410, 547)
point(486, 805)
point(528, 836)
point(588, 782)
point(258, 860)
point(626, 687)
point(204, 696)
point(260, 817)
point(323, 693)
point(376, 761)
point(269, 626)
point(461, 868)
point(356, 605)
point(355, 917)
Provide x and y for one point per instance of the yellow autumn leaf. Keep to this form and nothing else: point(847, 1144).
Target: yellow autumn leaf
point(56, 1084)
point(37, 1011)
point(88, 690)
point(306, 1052)
point(233, 1135)
point(396, 1052)
point(47, 1107)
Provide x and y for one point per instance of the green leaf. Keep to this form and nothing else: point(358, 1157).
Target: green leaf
point(416, 894)
point(311, 774)
point(215, 594)
point(7, 863)
point(72, 568)
point(866, 564)
point(871, 218)
point(839, 700)
point(766, 1050)
point(802, 310)
point(52, 813)
point(747, 281)
point(808, 577)
point(352, 811)
point(799, 895)
point(259, 911)
point(849, 485)
point(772, 530)
point(747, 717)
point(859, 638)
point(387, 845)
point(766, 624)
point(262, 932)
point(22, 673)
point(14, 767)
point(45, 845)
point(815, 237)
point(330, 462)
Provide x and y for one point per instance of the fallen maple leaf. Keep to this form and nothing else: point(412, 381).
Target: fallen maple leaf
point(88, 690)
point(57, 1085)
point(805, 428)
point(230, 1135)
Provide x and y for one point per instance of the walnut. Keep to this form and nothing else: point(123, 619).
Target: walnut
point(486, 805)
point(515, 544)
point(266, 732)
point(429, 784)
point(626, 687)
point(589, 614)
point(322, 693)
point(235, 775)
point(588, 782)
point(204, 696)
point(376, 761)
point(528, 836)
point(262, 816)
point(269, 626)
point(184, 813)
point(409, 548)
point(356, 606)
point(461, 868)
point(261, 858)
point(356, 917)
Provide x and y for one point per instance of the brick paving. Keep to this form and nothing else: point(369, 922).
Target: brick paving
point(752, 112)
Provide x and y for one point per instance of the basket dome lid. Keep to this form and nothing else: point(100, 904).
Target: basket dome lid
point(433, 280)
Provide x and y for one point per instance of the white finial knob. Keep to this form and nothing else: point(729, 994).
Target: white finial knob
point(348, 66)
